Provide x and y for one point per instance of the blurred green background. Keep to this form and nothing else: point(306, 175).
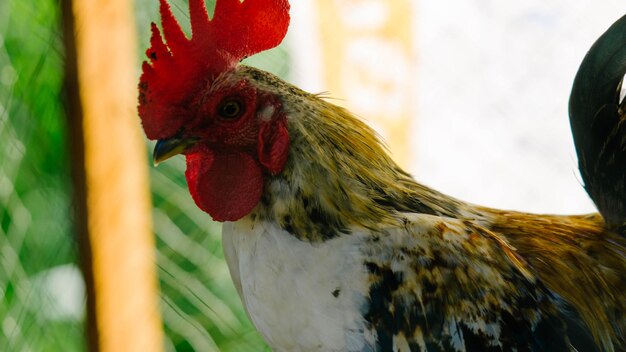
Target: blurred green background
point(41, 289)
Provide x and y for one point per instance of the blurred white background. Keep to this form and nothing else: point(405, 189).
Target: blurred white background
point(492, 82)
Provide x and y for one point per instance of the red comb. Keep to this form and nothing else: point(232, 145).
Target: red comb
point(181, 66)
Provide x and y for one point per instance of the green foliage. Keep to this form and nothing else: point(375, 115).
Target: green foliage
point(35, 229)
point(41, 302)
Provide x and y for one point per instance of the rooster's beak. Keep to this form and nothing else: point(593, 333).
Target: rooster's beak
point(167, 148)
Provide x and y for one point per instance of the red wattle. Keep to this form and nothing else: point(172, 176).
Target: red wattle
point(225, 184)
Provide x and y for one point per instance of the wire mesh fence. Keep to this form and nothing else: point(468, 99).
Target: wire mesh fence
point(200, 307)
point(38, 273)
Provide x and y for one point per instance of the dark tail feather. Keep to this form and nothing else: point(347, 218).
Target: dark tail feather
point(597, 118)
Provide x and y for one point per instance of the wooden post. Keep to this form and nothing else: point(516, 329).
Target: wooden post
point(365, 57)
point(112, 199)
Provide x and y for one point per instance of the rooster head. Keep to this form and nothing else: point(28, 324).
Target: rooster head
point(194, 100)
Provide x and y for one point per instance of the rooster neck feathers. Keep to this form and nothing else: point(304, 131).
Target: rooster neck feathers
point(326, 188)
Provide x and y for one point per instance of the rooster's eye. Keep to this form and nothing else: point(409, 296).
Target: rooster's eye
point(230, 109)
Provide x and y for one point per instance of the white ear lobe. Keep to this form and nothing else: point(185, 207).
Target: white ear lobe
point(266, 113)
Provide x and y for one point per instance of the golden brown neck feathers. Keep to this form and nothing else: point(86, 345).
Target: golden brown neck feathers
point(338, 174)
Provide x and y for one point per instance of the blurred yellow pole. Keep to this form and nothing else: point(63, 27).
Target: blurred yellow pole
point(112, 198)
point(369, 56)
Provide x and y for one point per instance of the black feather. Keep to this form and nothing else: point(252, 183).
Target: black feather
point(597, 122)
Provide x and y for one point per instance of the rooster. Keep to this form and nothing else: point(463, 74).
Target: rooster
point(333, 247)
